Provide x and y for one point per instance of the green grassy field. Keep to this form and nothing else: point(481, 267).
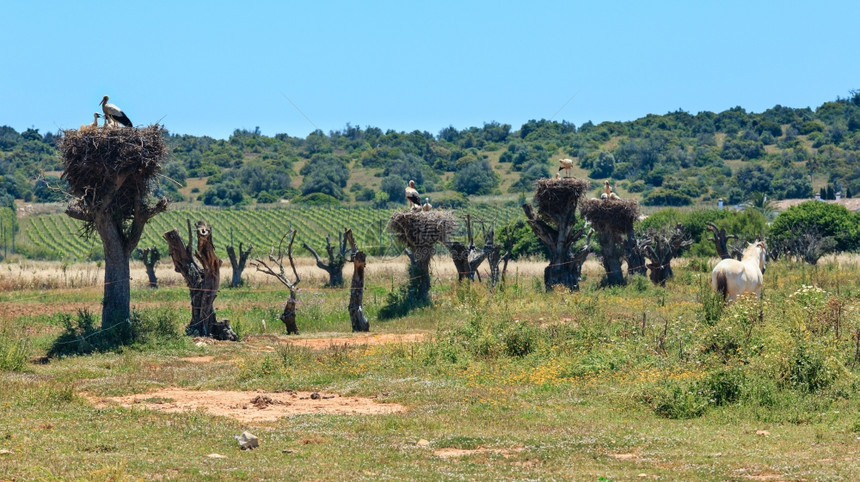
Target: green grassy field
point(602, 384)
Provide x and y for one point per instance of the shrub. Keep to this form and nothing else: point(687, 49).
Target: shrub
point(724, 386)
point(14, 351)
point(81, 334)
point(677, 399)
point(809, 369)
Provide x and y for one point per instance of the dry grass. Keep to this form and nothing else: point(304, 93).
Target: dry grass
point(55, 274)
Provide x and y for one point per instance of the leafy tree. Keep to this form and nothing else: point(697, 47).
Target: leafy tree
point(224, 195)
point(604, 165)
point(528, 176)
point(475, 178)
point(666, 197)
point(754, 179)
point(819, 218)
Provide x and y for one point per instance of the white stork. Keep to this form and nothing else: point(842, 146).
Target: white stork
point(427, 206)
point(566, 165)
point(606, 188)
point(95, 123)
point(412, 195)
point(114, 114)
point(614, 196)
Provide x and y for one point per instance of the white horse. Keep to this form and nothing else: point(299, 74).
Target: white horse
point(732, 278)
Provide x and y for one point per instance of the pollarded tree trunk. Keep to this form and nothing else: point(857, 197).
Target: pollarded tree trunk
point(720, 238)
point(336, 260)
point(636, 254)
point(418, 286)
point(116, 306)
point(564, 267)
point(150, 257)
point(356, 293)
point(467, 259)
point(612, 255)
point(203, 281)
point(289, 314)
point(494, 256)
point(238, 263)
point(662, 250)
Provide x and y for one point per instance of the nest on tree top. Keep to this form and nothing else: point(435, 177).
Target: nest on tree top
point(111, 165)
point(610, 215)
point(555, 197)
point(422, 229)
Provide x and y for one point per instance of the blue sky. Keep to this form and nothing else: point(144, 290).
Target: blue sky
point(207, 68)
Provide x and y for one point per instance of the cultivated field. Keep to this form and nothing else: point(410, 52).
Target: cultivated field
point(633, 382)
point(56, 236)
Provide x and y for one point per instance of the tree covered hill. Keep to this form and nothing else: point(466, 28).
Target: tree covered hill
point(673, 159)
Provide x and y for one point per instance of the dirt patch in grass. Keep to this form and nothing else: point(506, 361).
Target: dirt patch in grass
point(198, 359)
point(256, 406)
point(321, 343)
point(447, 453)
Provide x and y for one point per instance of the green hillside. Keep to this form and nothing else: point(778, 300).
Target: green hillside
point(675, 159)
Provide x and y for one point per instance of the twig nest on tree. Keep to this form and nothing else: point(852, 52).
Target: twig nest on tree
point(422, 229)
point(610, 215)
point(556, 196)
point(89, 154)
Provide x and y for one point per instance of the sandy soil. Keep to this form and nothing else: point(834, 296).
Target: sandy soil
point(256, 406)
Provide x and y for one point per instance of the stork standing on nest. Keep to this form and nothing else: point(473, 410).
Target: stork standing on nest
point(412, 195)
point(114, 114)
point(427, 206)
point(566, 165)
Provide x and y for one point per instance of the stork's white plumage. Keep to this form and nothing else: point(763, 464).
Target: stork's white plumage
point(607, 189)
point(427, 206)
point(566, 165)
point(614, 197)
point(412, 195)
point(114, 113)
point(95, 123)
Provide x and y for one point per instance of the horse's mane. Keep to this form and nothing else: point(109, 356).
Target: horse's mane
point(752, 251)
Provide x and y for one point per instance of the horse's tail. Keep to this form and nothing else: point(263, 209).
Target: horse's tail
point(722, 284)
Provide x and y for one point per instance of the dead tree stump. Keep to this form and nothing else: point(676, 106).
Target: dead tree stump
point(467, 259)
point(289, 314)
point(336, 260)
point(203, 281)
point(613, 220)
point(150, 256)
point(720, 239)
point(356, 293)
point(238, 263)
point(554, 224)
point(636, 250)
point(662, 249)
point(112, 174)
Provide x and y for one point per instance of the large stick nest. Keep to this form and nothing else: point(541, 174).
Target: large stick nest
point(112, 165)
point(610, 215)
point(554, 197)
point(422, 229)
